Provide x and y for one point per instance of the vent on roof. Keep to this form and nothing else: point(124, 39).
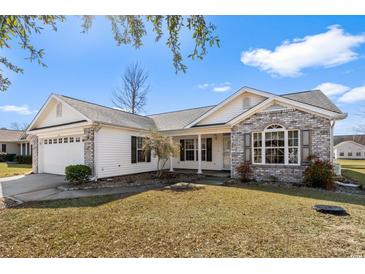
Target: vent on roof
point(59, 110)
point(246, 102)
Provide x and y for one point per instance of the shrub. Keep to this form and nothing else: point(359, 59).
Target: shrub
point(244, 170)
point(24, 159)
point(5, 157)
point(77, 173)
point(319, 174)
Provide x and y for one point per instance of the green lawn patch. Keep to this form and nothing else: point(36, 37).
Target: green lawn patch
point(353, 170)
point(210, 221)
point(7, 169)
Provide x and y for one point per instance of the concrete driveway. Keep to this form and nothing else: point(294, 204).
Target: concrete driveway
point(40, 187)
point(31, 187)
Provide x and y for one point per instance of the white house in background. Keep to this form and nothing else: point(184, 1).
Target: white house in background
point(14, 142)
point(349, 150)
point(276, 133)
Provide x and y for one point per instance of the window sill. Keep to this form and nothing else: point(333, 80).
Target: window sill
point(277, 165)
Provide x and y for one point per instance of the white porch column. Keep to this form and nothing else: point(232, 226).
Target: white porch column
point(21, 148)
point(26, 148)
point(171, 167)
point(199, 154)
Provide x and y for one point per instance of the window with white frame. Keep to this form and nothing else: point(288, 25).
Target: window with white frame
point(342, 153)
point(189, 149)
point(276, 145)
point(358, 153)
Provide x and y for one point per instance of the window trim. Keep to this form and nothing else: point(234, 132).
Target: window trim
point(134, 151)
point(195, 149)
point(277, 128)
point(2, 148)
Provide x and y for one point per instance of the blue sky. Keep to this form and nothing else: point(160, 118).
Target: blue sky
point(279, 54)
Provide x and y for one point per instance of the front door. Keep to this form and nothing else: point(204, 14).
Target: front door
point(227, 151)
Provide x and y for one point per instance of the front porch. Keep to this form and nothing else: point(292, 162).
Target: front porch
point(202, 153)
point(206, 172)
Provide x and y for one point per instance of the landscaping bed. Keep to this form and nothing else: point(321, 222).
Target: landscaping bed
point(147, 178)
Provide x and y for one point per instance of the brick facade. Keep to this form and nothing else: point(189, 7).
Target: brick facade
point(89, 148)
point(290, 119)
point(34, 144)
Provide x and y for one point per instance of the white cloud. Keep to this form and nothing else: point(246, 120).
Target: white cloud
point(354, 95)
point(22, 110)
point(328, 49)
point(222, 87)
point(331, 89)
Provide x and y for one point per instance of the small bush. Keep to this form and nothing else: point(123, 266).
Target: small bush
point(24, 159)
point(77, 174)
point(320, 174)
point(6, 157)
point(245, 171)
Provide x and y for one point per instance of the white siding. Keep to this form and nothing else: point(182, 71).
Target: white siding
point(217, 154)
point(232, 109)
point(347, 147)
point(11, 148)
point(49, 117)
point(113, 153)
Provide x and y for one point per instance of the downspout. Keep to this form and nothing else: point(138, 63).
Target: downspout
point(332, 123)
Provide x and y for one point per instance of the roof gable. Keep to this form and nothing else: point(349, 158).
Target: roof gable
point(231, 109)
point(350, 142)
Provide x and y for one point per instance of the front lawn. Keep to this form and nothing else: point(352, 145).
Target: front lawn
point(354, 170)
point(7, 169)
point(212, 221)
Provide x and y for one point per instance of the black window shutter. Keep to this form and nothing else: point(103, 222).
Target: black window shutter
point(149, 156)
point(247, 147)
point(182, 146)
point(306, 146)
point(209, 149)
point(134, 149)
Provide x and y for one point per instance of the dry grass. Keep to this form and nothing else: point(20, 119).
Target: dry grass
point(212, 221)
point(354, 170)
point(7, 169)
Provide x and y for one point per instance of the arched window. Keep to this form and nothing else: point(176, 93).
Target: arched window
point(274, 127)
point(276, 145)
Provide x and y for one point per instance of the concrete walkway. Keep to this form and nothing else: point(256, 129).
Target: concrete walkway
point(41, 187)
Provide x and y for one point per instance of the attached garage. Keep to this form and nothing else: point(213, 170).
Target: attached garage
point(57, 153)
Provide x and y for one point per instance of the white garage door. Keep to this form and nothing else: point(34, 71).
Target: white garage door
point(61, 152)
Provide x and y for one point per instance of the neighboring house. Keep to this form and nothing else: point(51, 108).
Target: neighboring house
point(14, 142)
point(276, 133)
point(349, 150)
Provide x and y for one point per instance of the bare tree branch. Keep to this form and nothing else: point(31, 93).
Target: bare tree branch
point(132, 96)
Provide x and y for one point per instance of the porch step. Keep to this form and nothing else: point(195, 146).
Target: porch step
point(221, 175)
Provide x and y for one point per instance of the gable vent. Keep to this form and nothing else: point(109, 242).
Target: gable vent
point(246, 102)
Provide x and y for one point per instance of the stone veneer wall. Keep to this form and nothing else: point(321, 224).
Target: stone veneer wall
point(34, 143)
point(89, 147)
point(290, 119)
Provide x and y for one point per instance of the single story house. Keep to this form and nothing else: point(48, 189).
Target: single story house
point(276, 133)
point(14, 142)
point(349, 150)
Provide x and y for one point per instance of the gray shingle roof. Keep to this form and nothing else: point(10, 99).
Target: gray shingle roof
point(360, 138)
point(178, 119)
point(315, 98)
point(8, 135)
point(102, 114)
